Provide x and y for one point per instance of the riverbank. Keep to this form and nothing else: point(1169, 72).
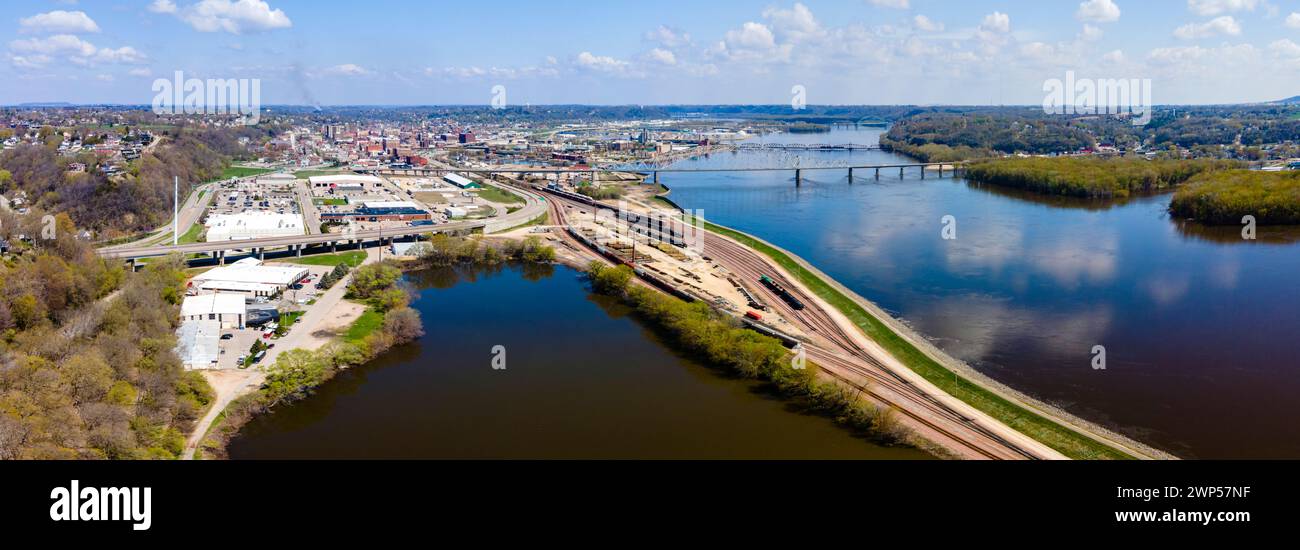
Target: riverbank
point(938, 368)
point(381, 319)
point(1091, 177)
point(1224, 198)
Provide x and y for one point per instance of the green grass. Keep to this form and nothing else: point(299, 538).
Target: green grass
point(1066, 441)
point(243, 172)
point(330, 202)
point(352, 258)
point(286, 322)
point(191, 236)
point(367, 323)
point(497, 195)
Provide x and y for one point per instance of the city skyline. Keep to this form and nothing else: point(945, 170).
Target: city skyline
point(852, 52)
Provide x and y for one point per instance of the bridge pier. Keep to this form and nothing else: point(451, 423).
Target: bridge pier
point(877, 174)
point(850, 176)
point(900, 172)
point(334, 246)
point(261, 254)
point(922, 171)
point(656, 180)
point(297, 250)
point(798, 178)
point(221, 257)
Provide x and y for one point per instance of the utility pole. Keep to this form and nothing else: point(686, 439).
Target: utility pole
point(176, 210)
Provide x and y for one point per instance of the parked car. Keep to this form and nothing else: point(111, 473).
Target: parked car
point(227, 336)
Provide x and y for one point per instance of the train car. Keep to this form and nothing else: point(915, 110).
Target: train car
point(781, 291)
point(754, 315)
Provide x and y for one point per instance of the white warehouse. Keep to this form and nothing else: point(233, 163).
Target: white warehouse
point(198, 343)
point(227, 309)
point(252, 225)
point(248, 278)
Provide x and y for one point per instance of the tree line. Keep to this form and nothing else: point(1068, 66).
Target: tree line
point(88, 367)
point(1225, 197)
point(723, 342)
point(1094, 177)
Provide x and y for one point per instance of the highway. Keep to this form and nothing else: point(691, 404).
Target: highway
point(534, 206)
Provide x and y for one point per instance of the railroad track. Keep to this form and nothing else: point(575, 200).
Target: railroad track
point(841, 357)
point(817, 322)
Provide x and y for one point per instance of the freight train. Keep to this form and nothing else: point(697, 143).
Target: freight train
point(781, 291)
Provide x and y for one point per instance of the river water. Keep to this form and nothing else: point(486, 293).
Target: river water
point(582, 379)
point(1199, 328)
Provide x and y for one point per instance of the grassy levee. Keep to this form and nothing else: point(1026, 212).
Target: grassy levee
point(1061, 438)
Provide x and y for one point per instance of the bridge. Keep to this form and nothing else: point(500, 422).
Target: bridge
point(941, 167)
point(805, 147)
point(534, 206)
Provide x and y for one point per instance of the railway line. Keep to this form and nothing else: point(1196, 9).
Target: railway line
point(841, 357)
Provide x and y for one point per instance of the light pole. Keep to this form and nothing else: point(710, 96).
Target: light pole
point(176, 210)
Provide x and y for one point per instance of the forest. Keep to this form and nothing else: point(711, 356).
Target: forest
point(1092, 177)
point(140, 199)
point(87, 362)
point(1244, 132)
point(1224, 198)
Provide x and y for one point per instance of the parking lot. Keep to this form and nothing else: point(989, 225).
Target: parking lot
point(250, 197)
point(235, 343)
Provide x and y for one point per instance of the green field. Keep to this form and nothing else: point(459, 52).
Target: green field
point(497, 195)
point(330, 202)
point(1063, 439)
point(352, 258)
point(367, 323)
point(191, 236)
point(243, 172)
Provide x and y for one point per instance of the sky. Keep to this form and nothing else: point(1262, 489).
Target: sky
point(841, 52)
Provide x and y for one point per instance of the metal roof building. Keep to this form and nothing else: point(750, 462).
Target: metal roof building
point(198, 343)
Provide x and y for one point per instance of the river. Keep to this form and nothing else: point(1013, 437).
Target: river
point(1199, 328)
point(582, 379)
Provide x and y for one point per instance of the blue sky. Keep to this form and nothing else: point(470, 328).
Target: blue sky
point(667, 51)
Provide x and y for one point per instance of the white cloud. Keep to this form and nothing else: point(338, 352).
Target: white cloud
point(104, 77)
point(796, 24)
point(59, 21)
point(926, 24)
point(1293, 20)
point(346, 69)
point(35, 52)
point(1097, 11)
point(1215, 7)
point(232, 16)
point(163, 6)
point(1090, 33)
point(996, 22)
point(1114, 56)
point(142, 72)
point(1222, 25)
point(662, 56)
point(1285, 48)
point(896, 4)
point(668, 37)
point(601, 63)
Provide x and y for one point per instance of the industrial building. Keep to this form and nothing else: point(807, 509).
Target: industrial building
point(248, 278)
point(345, 182)
point(252, 225)
point(198, 343)
point(462, 181)
point(374, 211)
point(227, 309)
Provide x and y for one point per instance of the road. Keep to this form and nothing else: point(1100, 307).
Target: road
point(534, 207)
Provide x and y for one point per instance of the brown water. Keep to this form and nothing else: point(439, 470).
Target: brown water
point(582, 380)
